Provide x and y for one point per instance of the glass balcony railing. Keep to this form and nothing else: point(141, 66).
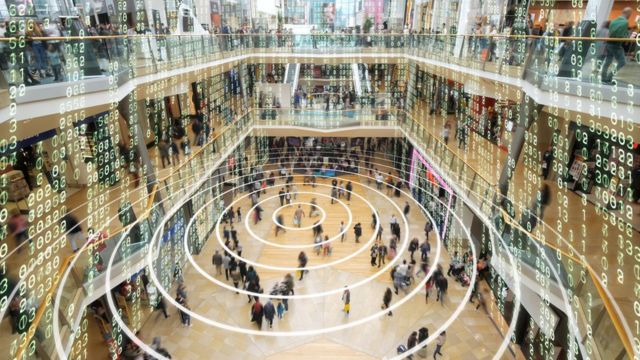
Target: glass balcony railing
point(323, 119)
point(541, 60)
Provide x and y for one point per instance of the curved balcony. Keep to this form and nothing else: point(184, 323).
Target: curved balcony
point(96, 65)
point(576, 280)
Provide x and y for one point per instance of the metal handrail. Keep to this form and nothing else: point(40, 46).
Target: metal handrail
point(127, 36)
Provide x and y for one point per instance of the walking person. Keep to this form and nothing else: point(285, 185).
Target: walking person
point(226, 234)
point(427, 287)
point(234, 236)
point(346, 299)
point(334, 194)
point(379, 179)
point(424, 264)
point(254, 289)
point(317, 229)
point(302, 263)
point(374, 220)
point(175, 152)
point(269, 312)
point(226, 262)
point(445, 133)
point(374, 254)
point(217, 262)
point(442, 284)
point(389, 182)
point(164, 150)
point(279, 223)
point(442, 338)
point(425, 248)
point(379, 233)
point(413, 247)
point(257, 313)
point(412, 341)
point(298, 215)
point(231, 215)
point(427, 229)
point(281, 196)
point(406, 210)
point(257, 215)
point(343, 231)
point(349, 189)
point(423, 335)
point(618, 29)
point(235, 278)
point(280, 310)
point(386, 301)
point(357, 230)
point(242, 268)
point(162, 305)
point(184, 316)
point(382, 254)
point(288, 290)
point(313, 208)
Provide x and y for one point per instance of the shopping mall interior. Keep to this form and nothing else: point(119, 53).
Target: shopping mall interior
point(320, 179)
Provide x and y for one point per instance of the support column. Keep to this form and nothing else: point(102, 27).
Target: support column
point(528, 111)
point(127, 109)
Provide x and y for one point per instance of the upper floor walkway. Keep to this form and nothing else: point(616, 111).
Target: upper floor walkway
point(100, 70)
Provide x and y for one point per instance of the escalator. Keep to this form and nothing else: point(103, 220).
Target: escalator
point(361, 80)
point(291, 75)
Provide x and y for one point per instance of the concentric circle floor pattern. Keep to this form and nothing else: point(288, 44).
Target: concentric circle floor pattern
point(471, 336)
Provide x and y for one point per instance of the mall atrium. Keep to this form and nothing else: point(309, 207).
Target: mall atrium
point(320, 179)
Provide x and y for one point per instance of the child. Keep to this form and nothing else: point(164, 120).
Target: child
point(56, 62)
point(280, 310)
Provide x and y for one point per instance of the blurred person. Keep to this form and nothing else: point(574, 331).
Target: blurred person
point(618, 29)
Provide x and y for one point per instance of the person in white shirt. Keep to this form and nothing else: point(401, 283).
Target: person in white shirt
point(403, 268)
point(379, 179)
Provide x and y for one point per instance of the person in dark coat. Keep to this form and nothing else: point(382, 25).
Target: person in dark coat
point(302, 263)
point(242, 267)
point(257, 312)
point(412, 341)
point(357, 230)
point(442, 284)
point(253, 288)
point(386, 300)
point(269, 312)
point(225, 233)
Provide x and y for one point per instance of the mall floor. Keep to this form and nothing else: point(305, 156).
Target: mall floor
point(473, 335)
